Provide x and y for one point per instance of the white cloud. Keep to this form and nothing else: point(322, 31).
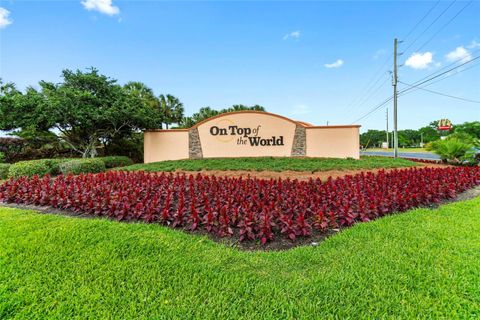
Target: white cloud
point(300, 109)
point(336, 64)
point(4, 20)
point(419, 60)
point(103, 6)
point(459, 54)
point(293, 35)
point(474, 44)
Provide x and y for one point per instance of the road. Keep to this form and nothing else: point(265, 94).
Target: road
point(415, 155)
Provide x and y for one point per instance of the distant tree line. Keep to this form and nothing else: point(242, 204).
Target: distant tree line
point(88, 113)
point(413, 138)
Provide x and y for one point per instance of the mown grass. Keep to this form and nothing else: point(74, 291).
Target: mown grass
point(420, 264)
point(420, 150)
point(273, 164)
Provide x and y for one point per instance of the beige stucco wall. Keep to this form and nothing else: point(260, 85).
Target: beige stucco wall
point(325, 141)
point(331, 142)
point(226, 146)
point(165, 145)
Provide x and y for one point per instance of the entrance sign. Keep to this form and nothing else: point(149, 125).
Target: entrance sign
point(251, 134)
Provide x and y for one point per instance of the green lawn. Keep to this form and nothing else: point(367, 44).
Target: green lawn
point(421, 264)
point(421, 150)
point(273, 164)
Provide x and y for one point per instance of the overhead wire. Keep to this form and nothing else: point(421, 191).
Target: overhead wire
point(367, 90)
point(405, 91)
point(444, 25)
point(425, 80)
point(452, 74)
point(374, 109)
point(440, 93)
point(431, 77)
point(429, 26)
point(368, 87)
point(421, 20)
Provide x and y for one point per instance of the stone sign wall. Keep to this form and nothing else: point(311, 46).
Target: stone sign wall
point(252, 134)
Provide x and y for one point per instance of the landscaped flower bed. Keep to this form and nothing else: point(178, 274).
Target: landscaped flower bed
point(248, 208)
point(432, 161)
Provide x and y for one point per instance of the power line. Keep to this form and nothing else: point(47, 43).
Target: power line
point(374, 109)
point(420, 82)
point(447, 66)
point(430, 25)
point(368, 87)
point(362, 98)
point(367, 91)
point(439, 93)
point(367, 95)
point(451, 75)
point(365, 98)
point(446, 24)
point(421, 20)
point(409, 90)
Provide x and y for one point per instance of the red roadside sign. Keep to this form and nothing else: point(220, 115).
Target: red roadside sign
point(444, 124)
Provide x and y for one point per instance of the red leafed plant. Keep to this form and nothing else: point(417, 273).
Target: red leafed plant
point(251, 209)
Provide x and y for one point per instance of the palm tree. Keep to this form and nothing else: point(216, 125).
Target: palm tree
point(204, 113)
point(171, 109)
point(140, 90)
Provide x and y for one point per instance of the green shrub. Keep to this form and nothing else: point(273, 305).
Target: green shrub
point(472, 156)
point(452, 149)
point(464, 137)
point(77, 166)
point(32, 167)
point(4, 170)
point(2, 157)
point(116, 161)
point(55, 165)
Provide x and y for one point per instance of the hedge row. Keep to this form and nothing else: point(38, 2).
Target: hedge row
point(78, 166)
point(39, 167)
point(67, 165)
point(4, 170)
point(116, 161)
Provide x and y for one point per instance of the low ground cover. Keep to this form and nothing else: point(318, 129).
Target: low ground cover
point(420, 264)
point(248, 209)
point(273, 164)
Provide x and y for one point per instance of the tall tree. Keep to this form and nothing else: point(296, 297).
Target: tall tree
point(429, 134)
point(142, 92)
point(8, 97)
point(470, 128)
point(171, 109)
point(372, 138)
point(87, 108)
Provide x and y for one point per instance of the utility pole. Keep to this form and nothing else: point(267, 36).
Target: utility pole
point(395, 78)
point(388, 144)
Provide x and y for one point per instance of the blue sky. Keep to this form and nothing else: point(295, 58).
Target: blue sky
point(311, 61)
